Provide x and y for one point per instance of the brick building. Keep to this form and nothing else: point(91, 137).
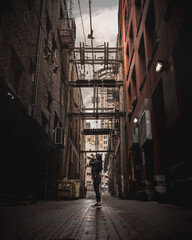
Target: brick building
point(157, 103)
point(35, 43)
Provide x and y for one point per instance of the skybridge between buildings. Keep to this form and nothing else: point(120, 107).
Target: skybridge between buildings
point(107, 84)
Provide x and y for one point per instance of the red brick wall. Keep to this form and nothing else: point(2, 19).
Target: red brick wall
point(172, 21)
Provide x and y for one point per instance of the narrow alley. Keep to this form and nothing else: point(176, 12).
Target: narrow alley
point(117, 219)
point(95, 101)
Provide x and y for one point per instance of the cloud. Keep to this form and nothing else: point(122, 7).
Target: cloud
point(104, 24)
point(95, 6)
point(105, 29)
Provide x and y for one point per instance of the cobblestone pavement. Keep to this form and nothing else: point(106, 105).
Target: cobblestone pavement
point(117, 219)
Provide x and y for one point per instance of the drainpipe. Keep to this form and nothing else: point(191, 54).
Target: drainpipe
point(35, 85)
point(124, 181)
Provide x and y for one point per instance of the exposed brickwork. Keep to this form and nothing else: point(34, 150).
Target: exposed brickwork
point(34, 72)
point(150, 31)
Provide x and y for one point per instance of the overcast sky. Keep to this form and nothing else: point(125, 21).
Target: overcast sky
point(104, 21)
point(105, 29)
point(96, 4)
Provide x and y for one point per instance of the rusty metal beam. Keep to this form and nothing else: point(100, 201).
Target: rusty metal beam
point(92, 83)
point(97, 131)
point(97, 49)
point(100, 115)
point(102, 109)
point(96, 61)
point(97, 151)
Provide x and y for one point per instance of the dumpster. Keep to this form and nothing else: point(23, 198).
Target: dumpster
point(65, 190)
point(68, 189)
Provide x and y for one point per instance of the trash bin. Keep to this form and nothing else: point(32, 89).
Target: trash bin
point(76, 184)
point(65, 190)
point(68, 189)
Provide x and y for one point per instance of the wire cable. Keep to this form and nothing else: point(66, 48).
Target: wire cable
point(91, 36)
point(82, 21)
point(83, 28)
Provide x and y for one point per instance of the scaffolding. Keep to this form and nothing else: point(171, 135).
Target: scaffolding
point(106, 87)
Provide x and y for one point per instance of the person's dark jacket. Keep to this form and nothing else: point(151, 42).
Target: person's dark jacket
point(95, 164)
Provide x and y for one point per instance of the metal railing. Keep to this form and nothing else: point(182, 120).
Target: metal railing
point(67, 27)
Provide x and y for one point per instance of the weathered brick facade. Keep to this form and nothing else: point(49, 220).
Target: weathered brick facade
point(149, 31)
point(34, 92)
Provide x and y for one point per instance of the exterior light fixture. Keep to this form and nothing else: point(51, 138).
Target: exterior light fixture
point(10, 95)
point(161, 66)
point(135, 120)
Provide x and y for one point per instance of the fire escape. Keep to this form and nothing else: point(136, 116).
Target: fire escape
point(66, 26)
point(67, 32)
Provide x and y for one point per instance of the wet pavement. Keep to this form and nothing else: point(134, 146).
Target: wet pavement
point(77, 219)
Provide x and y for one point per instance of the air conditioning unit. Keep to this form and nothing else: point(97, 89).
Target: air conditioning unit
point(145, 132)
point(134, 136)
point(59, 136)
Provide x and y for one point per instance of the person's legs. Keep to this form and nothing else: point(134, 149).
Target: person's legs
point(96, 188)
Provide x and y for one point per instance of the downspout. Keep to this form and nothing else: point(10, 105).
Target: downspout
point(36, 80)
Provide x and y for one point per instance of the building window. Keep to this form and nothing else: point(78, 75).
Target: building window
point(133, 76)
point(127, 53)
point(54, 47)
point(56, 121)
point(65, 10)
point(139, 13)
point(49, 101)
point(32, 70)
point(131, 37)
point(47, 40)
point(48, 27)
point(61, 11)
point(129, 97)
point(151, 31)
point(44, 121)
point(129, 8)
point(16, 70)
point(61, 94)
point(142, 59)
point(126, 23)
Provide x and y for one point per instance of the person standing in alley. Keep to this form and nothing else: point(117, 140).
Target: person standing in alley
point(96, 164)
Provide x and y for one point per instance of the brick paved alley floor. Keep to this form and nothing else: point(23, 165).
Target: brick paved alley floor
point(118, 219)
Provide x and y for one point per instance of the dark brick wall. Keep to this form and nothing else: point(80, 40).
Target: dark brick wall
point(33, 77)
